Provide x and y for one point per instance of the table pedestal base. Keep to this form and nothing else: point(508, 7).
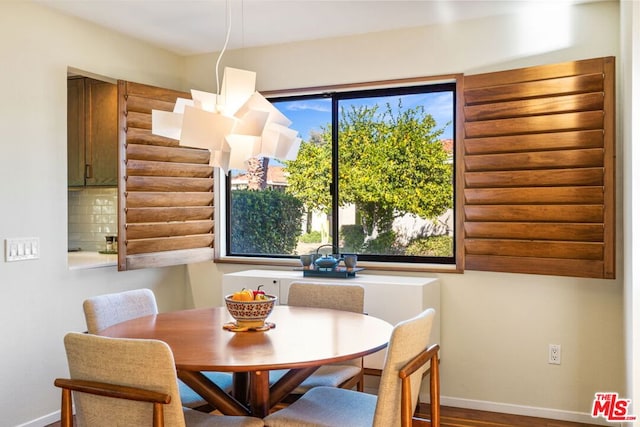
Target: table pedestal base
point(251, 392)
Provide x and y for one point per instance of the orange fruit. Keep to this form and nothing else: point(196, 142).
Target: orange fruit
point(243, 295)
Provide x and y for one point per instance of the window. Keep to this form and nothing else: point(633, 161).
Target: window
point(531, 158)
point(374, 177)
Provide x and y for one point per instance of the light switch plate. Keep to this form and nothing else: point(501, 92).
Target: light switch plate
point(21, 248)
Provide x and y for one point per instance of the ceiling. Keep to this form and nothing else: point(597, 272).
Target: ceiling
point(198, 26)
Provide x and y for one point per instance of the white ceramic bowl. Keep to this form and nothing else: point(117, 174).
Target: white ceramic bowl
point(250, 314)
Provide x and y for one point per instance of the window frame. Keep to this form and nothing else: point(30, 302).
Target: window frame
point(409, 85)
point(135, 130)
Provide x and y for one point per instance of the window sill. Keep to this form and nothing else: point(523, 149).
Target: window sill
point(373, 266)
point(87, 260)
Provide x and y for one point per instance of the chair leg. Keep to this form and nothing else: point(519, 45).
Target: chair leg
point(158, 415)
point(66, 411)
point(407, 419)
point(356, 381)
point(434, 390)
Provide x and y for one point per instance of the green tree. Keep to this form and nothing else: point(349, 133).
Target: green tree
point(391, 162)
point(310, 174)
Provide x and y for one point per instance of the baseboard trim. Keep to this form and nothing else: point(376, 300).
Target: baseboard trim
point(43, 421)
point(479, 405)
point(529, 411)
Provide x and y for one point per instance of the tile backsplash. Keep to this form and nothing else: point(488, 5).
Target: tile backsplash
point(93, 214)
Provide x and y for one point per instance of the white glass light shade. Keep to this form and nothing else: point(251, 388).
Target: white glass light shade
point(181, 103)
point(204, 129)
point(260, 103)
point(252, 123)
point(220, 158)
point(237, 87)
point(243, 147)
point(293, 150)
point(236, 125)
point(166, 123)
point(205, 101)
point(277, 141)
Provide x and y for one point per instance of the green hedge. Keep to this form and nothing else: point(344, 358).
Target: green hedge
point(265, 222)
point(312, 237)
point(436, 246)
point(352, 238)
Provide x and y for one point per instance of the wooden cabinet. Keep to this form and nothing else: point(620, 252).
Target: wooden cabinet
point(92, 132)
point(75, 132)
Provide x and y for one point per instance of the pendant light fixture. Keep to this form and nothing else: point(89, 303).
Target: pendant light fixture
point(234, 124)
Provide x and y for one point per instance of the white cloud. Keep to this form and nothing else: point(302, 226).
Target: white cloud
point(322, 107)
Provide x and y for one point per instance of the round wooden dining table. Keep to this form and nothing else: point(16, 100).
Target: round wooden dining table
point(302, 340)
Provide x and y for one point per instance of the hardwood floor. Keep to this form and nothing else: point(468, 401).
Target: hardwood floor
point(457, 417)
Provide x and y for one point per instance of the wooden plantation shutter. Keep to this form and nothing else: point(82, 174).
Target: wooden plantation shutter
point(538, 170)
point(165, 191)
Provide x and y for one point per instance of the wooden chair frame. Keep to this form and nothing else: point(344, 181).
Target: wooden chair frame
point(109, 390)
point(428, 355)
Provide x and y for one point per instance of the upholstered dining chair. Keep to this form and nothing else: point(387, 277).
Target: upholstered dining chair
point(346, 374)
point(405, 364)
point(102, 311)
point(128, 382)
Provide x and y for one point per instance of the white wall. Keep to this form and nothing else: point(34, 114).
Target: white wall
point(495, 327)
point(41, 300)
point(630, 132)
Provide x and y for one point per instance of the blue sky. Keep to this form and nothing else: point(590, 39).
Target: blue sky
point(311, 114)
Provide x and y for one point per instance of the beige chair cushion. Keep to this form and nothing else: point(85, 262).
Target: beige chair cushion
point(328, 376)
point(337, 297)
point(408, 339)
point(103, 311)
point(201, 419)
point(139, 363)
point(327, 406)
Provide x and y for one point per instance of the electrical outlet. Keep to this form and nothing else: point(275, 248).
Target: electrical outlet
point(555, 354)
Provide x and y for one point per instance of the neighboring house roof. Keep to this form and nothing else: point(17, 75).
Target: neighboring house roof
point(276, 176)
point(447, 144)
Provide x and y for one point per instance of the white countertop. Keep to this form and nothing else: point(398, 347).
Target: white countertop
point(83, 260)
